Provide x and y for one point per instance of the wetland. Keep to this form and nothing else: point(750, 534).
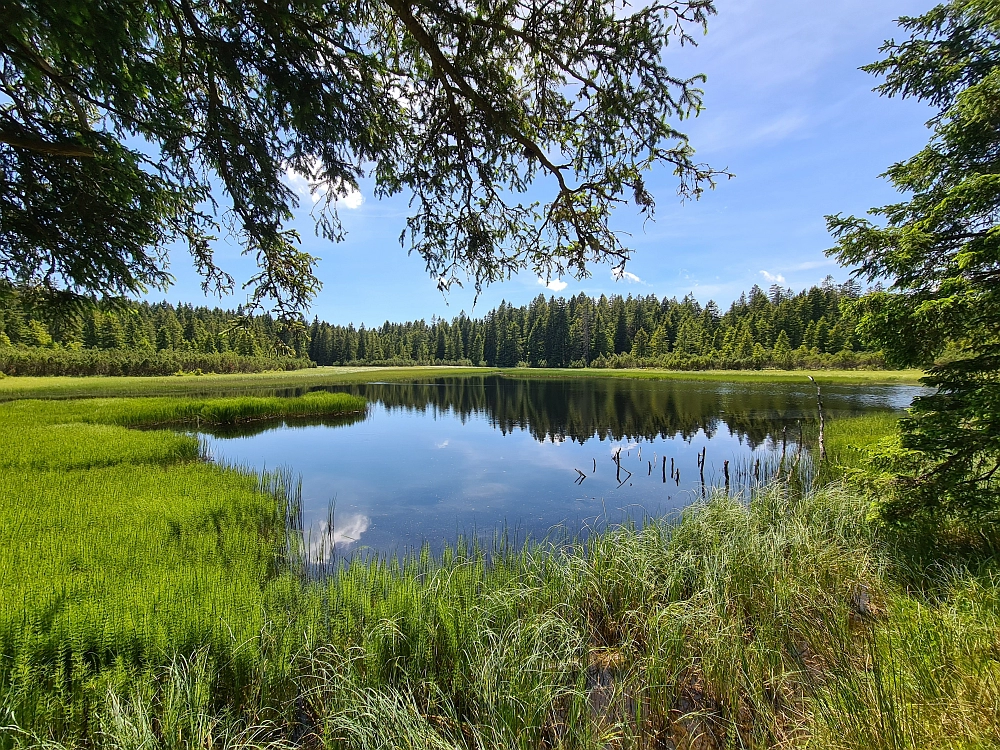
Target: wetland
point(471, 457)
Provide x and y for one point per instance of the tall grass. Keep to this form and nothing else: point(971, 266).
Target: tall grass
point(150, 412)
point(120, 551)
point(774, 623)
point(661, 632)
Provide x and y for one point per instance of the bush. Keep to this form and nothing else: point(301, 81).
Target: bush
point(36, 361)
point(800, 359)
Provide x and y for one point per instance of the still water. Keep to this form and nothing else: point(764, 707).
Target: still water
point(461, 457)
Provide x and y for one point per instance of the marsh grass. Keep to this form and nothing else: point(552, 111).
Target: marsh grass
point(215, 385)
point(824, 377)
point(160, 603)
point(122, 550)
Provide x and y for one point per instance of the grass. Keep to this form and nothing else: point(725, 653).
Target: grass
point(122, 550)
point(210, 384)
point(150, 600)
point(823, 377)
point(73, 387)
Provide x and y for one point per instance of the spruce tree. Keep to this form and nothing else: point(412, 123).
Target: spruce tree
point(939, 248)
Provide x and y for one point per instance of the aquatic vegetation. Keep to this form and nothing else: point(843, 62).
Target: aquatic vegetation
point(122, 550)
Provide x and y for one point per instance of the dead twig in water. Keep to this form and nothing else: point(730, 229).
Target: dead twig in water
point(822, 422)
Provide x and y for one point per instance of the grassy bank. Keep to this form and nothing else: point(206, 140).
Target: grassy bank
point(121, 550)
point(827, 377)
point(72, 387)
point(89, 387)
point(150, 600)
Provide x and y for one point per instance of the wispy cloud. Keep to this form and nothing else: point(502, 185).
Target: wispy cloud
point(556, 285)
point(811, 264)
point(774, 278)
point(620, 274)
point(442, 444)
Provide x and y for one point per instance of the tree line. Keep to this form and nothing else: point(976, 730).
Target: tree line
point(118, 338)
point(777, 328)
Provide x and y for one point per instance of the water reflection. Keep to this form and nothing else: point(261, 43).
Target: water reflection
point(435, 460)
point(335, 536)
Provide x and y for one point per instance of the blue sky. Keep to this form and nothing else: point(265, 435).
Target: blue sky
point(787, 111)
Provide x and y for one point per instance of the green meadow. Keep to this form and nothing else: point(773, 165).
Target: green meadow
point(80, 387)
point(823, 377)
point(213, 384)
point(149, 599)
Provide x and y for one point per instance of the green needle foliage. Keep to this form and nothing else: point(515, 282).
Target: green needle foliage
point(127, 126)
point(941, 250)
point(814, 328)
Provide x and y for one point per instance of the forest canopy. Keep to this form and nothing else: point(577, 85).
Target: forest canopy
point(126, 128)
point(777, 328)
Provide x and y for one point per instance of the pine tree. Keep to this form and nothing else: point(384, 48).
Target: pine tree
point(640, 344)
point(659, 344)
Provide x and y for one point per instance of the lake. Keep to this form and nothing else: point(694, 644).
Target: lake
point(447, 458)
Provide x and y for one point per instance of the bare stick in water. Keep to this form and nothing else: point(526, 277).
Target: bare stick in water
point(822, 424)
point(664, 469)
point(725, 472)
point(620, 480)
point(784, 446)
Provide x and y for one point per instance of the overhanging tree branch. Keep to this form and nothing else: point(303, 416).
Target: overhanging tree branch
point(48, 148)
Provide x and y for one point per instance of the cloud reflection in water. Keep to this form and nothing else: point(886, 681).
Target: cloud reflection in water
point(326, 539)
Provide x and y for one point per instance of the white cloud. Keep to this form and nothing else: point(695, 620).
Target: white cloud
point(442, 444)
point(620, 274)
point(556, 285)
point(297, 182)
point(316, 190)
point(353, 200)
point(775, 278)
